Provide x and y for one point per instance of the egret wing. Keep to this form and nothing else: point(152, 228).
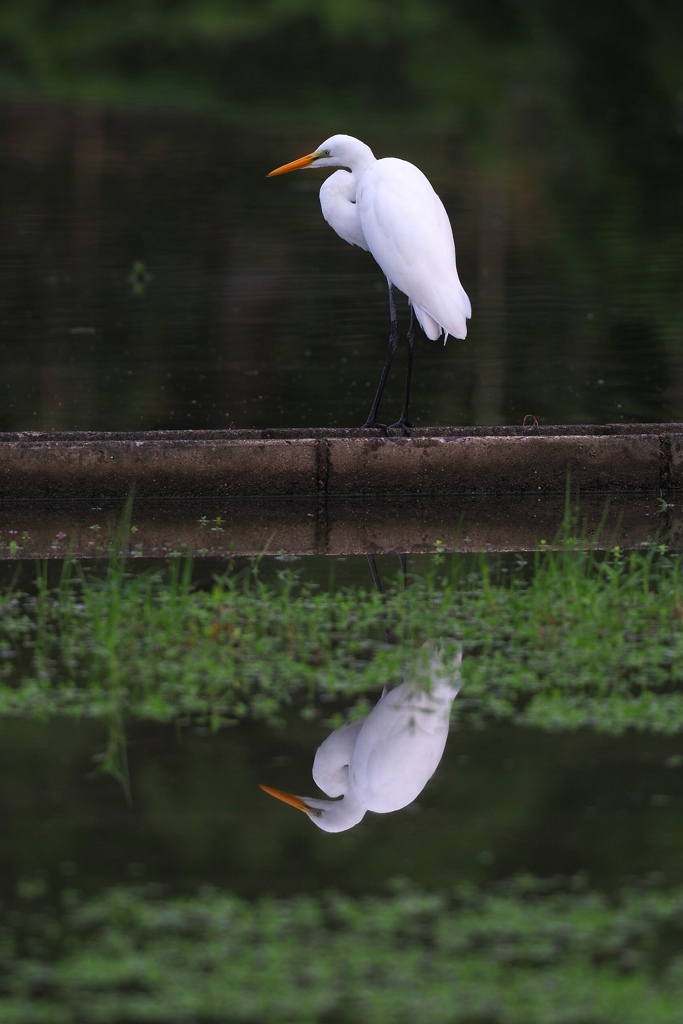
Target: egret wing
point(407, 230)
point(399, 747)
point(333, 758)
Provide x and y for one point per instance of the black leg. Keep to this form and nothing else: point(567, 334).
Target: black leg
point(403, 421)
point(372, 421)
point(374, 573)
point(388, 631)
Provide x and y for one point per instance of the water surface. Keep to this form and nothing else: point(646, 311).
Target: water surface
point(503, 802)
point(152, 277)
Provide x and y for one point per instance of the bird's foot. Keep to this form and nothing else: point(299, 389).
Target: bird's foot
point(375, 423)
point(403, 424)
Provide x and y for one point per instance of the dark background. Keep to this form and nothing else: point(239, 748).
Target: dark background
point(150, 276)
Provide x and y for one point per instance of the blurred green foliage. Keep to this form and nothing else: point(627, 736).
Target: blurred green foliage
point(526, 952)
point(468, 63)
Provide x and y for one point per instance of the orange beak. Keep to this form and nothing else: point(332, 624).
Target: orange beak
point(295, 165)
point(287, 798)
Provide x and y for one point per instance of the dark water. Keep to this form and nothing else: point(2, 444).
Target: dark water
point(86, 804)
point(503, 801)
point(152, 277)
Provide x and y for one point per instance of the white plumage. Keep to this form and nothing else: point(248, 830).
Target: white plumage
point(389, 208)
point(383, 762)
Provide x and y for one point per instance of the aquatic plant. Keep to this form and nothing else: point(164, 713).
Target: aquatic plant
point(573, 638)
point(528, 951)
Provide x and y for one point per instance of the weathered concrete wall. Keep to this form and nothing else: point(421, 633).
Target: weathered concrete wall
point(643, 459)
point(338, 491)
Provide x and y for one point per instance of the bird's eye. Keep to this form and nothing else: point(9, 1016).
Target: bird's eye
point(327, 153)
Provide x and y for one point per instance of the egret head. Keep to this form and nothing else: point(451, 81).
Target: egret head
point(337, 151)
point(329, 815)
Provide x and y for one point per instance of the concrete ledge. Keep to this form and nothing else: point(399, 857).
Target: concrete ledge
point(495, 465)
point(616, 458)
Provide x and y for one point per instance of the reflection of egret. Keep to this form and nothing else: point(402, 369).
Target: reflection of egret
point(389, 208)
point(383, 762)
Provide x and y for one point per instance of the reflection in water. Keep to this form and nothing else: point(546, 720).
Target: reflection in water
point(383, 762)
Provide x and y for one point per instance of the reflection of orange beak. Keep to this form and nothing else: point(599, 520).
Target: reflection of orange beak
point(295, 165)
point(287, 798)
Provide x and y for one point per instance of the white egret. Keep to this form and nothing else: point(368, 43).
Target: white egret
point(389, 208)
point(383, 762)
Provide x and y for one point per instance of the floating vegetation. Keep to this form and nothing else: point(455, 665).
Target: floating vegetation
point(528, 951)
point(566, 639)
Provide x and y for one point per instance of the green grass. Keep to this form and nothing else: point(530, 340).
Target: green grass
point(574, 638)
point(526, 951)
